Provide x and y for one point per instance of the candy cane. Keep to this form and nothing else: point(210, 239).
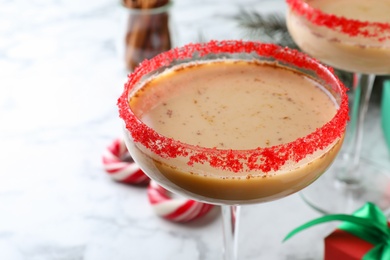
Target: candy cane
point(177, 210)
point(120, 166)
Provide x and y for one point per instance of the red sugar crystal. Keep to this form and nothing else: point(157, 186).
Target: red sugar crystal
point(264, 159)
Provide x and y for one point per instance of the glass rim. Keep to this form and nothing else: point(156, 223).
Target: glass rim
point(264, 159)
point(351, 27)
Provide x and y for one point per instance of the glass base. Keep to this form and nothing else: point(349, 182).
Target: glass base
point(329, 195)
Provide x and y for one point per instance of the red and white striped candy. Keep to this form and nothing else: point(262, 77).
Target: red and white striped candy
point(120, 166)
point(177, 210)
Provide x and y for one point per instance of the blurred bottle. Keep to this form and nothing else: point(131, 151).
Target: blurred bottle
point(148, 30)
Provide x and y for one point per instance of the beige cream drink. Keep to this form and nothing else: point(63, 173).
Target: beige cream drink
point(362, 53)
point(235, 105)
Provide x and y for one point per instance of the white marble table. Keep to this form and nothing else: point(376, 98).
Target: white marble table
point(61, 71)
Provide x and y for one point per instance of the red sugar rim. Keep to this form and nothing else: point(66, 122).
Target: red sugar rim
point(350, 27)
point(264, 159)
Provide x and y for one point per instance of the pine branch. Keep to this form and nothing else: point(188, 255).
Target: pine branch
point(268, 28)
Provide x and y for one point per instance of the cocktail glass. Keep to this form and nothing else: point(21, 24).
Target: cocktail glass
point(225, 176)
point(354, 36)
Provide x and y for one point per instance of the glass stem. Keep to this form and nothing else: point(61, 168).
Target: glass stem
point(230, 220)
point(354, 136)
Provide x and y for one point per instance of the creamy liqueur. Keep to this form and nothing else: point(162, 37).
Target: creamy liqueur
point(354, 53)
point(234, 105)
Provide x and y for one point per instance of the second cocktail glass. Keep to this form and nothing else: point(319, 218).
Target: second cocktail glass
point(233, 122)
point(351, 35)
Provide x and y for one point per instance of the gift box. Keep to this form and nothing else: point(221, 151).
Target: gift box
point(364, 235)
point(385, 110)
point(343, 245)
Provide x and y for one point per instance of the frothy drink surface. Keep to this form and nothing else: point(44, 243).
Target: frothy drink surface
point(233, 105)
point(364, 10)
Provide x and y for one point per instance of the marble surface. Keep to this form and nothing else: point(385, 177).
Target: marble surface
point(61, 71)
